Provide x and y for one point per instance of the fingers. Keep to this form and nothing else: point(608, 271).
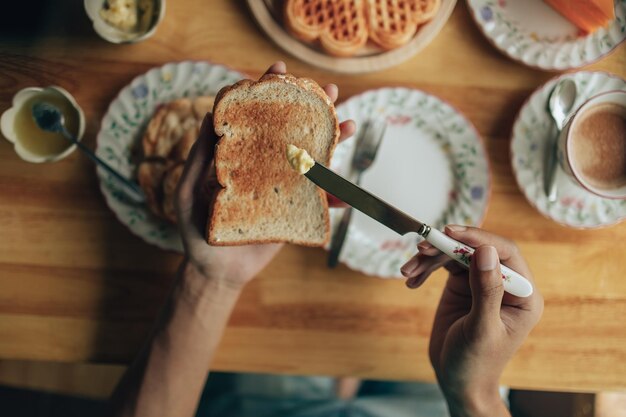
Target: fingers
point(332, 91)
point(346, 129)
point(334, 201)
point(429, 256)
point(422, 268)
point(475, 237)
point(487, 290)
point(278, 67)
point(426, 248)
point(408, 269)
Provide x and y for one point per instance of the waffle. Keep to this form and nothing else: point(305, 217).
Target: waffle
point(426, 10)
point(343, 26)
point(392, 23)
point(340, 25)
point(166, 143)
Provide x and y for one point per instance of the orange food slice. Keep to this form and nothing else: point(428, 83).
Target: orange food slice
point(588, 15)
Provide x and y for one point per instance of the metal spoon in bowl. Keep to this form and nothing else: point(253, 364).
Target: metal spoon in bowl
point(50, 118)
point(560, 105)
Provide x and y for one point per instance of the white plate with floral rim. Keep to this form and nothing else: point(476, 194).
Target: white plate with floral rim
point(122, 128)
point(574, 207)
point(533, 33)
point(431, 164)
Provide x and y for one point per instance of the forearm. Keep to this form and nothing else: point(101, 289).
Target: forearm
point(167, 377)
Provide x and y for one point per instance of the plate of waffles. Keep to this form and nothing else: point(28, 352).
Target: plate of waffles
point(437, 166)
point(535, 34)
point(352, 36)
point(146, 136)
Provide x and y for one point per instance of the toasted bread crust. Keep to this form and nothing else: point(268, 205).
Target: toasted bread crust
point(250, 182)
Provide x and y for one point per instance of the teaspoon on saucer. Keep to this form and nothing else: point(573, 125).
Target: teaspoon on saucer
point(560, 105)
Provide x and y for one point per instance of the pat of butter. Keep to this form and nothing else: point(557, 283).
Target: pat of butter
point(127, 15)
point(299, 159)
point(121, 13)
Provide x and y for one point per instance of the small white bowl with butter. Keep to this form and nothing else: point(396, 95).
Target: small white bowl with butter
point(125, 21)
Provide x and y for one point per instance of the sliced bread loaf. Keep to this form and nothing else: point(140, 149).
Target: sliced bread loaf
point(263, 200)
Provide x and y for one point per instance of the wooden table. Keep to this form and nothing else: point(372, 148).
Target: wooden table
point(77, 286)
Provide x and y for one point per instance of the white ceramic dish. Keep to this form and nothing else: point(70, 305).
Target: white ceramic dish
point(574, 207)
point(8, 120)
point(114, 35)
point(431, 164)
point(122, 127)
point(534, 34)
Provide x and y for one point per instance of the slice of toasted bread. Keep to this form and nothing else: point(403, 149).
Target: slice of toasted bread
point(263, 200)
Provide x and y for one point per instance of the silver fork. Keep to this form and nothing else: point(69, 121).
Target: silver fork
point(365, 150)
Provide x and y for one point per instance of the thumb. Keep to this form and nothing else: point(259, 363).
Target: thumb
point(486, 285)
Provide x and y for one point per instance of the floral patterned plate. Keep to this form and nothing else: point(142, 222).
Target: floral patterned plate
point(533, 33)
point(431, 164)
point(122, 128)
point(574, 207)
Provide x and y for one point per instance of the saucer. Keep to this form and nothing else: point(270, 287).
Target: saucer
point(534, 34)
point(431, 164)
point(533, 126)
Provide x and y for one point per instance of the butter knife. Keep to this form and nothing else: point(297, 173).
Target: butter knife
point(402, 224)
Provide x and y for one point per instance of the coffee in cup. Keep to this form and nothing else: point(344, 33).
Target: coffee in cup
point(595, 145)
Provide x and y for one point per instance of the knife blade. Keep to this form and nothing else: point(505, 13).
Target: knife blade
point(402, 223)
point(362, 200)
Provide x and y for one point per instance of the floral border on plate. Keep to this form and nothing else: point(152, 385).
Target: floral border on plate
point(574, 207)
point(122, 127)
point(459, 140)
point(552, 54)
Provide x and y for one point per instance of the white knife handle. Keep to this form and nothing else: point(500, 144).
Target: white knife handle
point(514, 283)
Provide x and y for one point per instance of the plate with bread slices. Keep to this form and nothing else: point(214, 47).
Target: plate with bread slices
point(146, 135)
point(431, 164)
point(352, 36)
point(552, 34)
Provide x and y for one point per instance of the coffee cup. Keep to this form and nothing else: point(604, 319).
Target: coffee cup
point(592, 145)
point(30, 142)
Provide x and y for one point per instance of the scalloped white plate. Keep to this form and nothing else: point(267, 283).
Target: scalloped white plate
point(431, 164)
point(534, 34)
point(574, 207)
point(124, 123)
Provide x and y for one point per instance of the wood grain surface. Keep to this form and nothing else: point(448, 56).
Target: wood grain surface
point(77, 286)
